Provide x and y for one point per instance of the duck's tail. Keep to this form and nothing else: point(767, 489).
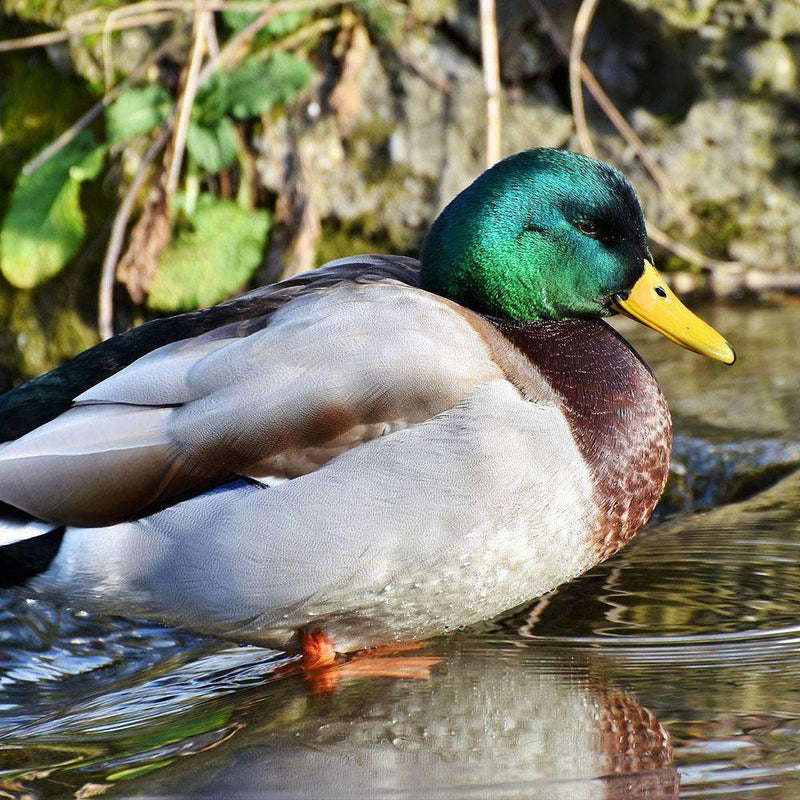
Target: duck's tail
point(27, 546)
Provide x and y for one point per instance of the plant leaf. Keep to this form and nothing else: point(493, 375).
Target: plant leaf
point(255, 88)
point(211, 103)
point(252, 89)
point(44, 225)
point(88, 168)
point(278, 26)
point(136, 112)
point(212, 260)
point(213, 148)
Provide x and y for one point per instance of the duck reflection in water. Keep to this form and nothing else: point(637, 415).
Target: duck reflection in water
point(492, 718)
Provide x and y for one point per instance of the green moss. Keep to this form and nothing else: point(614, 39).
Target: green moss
point(368, 233)
point(368, 147)
point(669, 262)
point(37, 103)
point(719, 226)
point(375, 131)
point(351, 237)
point(43, 328)
point(53, 12)
point(42, 340)
point(687, 15)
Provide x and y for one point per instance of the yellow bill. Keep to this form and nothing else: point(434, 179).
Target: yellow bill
point(653, 303)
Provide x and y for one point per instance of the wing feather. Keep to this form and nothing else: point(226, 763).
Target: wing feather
point(327, 370)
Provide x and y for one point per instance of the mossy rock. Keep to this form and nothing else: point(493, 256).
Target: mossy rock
point(38, 104)
point(342, 238)
point(41, 329)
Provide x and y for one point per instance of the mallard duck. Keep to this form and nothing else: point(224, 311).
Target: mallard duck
point(377, 451)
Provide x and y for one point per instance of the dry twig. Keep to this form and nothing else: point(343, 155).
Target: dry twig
point(152, 12)
point(67, 33)
point(617, 120)
point(579, 32)
point(301, 39)
point(689, 253)
point(491, 80)
point(187, 100)
point(212, 42)
point(233, 47)
point(105, 319)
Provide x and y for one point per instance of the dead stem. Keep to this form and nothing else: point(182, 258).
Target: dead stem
point(212, 42)
point(579, 74)
point(579, 32)
point(689, 253)
point(491, 80)
point(105, 315)
point(150, 12)
point(228, 54)
point(65, 34)
point(186, 101)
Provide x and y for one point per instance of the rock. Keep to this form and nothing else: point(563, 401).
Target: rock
point(767, 68)
point(704, 474)
point(723, 159)
point(720, 20)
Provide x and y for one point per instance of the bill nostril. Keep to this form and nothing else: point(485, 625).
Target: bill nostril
point(660, 291)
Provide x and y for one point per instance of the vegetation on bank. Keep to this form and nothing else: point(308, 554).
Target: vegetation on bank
point(160, 156)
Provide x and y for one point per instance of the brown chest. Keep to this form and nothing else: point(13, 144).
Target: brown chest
point(618, 416)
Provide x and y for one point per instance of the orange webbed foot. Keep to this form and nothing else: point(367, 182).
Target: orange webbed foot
point(324, 670)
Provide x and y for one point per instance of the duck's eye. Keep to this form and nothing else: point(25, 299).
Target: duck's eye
point(587, 227)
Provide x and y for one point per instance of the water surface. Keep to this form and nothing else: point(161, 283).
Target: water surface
point(671, 670)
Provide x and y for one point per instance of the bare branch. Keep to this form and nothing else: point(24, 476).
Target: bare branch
point(618, 121)
point(202, 21)
point(105, 316)
point(688, 253)
point(64, 35)
point(234, 45)
point(491, 80)
point(212, 43)
point(579, 32)
point(153, 12)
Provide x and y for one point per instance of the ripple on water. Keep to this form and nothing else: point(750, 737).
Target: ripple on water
point(700, 618)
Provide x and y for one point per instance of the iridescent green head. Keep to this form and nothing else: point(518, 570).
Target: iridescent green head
point(544, 234)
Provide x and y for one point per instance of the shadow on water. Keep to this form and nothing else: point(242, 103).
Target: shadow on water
point(673, 669)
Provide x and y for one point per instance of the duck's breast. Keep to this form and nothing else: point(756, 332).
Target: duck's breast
point(616, 412)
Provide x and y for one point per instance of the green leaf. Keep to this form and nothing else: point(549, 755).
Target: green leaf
point(212, 260)
point(44, 225)
point(88, 168)
point(213, 148)
point(255, 88)
point(211, 103)
point(136, 112)
point(281, 25)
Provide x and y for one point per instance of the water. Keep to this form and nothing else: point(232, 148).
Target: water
point(674, 669)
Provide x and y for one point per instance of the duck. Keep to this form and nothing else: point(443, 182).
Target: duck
point(375, 452)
